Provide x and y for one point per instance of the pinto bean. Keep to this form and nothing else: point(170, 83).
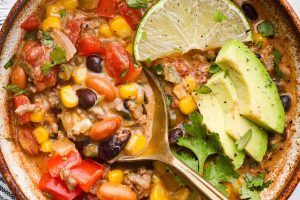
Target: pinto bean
point(102, 87)
point(18, 77)
point(28, 141)
point(109, 191)
point(102, 130)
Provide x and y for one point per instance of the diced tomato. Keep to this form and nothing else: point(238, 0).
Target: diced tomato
point(87, 173)
point(33, 54)
point(31, 24)
point(107, 8)
point(73, 30)
point(90, 45)
point(57, 163)
point(57, 188)
point(19, 101)
point(132, 16)
point(120, 65)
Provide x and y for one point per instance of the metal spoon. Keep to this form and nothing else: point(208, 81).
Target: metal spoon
point(158, 148)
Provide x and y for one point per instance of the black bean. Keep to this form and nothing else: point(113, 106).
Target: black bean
point(87, 98)
point(174, 134)
point(258, 55)
point(250, 11)
point(113, 146)
point(125, 104)
point(286, 101)
point(81, 144)
point(94, 63)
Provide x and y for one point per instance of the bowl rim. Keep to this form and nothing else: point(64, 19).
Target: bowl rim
point(4, 169)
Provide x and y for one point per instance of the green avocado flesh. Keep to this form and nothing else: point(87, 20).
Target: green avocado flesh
point(235, 124)
point(213, 118)
point(258, 97)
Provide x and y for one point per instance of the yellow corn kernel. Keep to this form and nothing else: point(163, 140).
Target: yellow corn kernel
point(51, 22)
point(258, 38)
point(106, 31)
point(68, 97)
point(37, 116)
point(187, 105)
point(79, 74)
point(116, 176)
point(41, 134)
point(135, 144)
point(182, 194)
point(53, 9)
point(46, 147)
point(128, 91)
point(129, 49)
point(70, 4)
point(190, 83)
point(120, 27)
point(158, 191)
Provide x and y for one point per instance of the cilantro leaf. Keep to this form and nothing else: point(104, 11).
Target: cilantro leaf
point(220, 171)
point(243, 141)
point(47, 40)
point(219, 16)
point(187, 158)
point(46, 68)
point(214, 68)
point(31, 36)
point(256, 183)
point(277, 59)
point(124, 73)
point(138, 3)
point(169, 100)
point(58, 55)
point(62, 13)
point(15, 89)
point(246, 193)
point(203, 89)
point(10, 62)
point(266, 29)
point(159, 69)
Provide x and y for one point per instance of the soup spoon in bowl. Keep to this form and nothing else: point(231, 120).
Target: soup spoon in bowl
point(158, 148)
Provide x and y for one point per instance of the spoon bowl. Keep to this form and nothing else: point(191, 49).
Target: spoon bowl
point(158, 148)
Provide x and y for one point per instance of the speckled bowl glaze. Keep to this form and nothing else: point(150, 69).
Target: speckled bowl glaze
point(21, 172)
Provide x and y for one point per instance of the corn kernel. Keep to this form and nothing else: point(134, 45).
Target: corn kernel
point(53, 9)
point(190, 83)
point(128, 91)
point(187, 105)
point(46, 147)
point(106, 31)
point(116, 176)
point(37, 115)
point(120, 27)
point(51, 22)
point(79, 74)
point(135, 144)
point(158, 191)
point(41, 134)
point(182, 194)
point(70, 4)
point(68, 97)
point(258, 38)
point(129, 49)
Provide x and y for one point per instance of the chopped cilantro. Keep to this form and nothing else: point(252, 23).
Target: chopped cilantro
point(169, 100)
point(138, 3)
point(62, 13)
point(272, 147)
point(246, 193)
point(31, 36)
point(144, 36)
point(256, 183)
point(243, 141)
point(10, 62)
point(200, 142)
point(203, 89)
point(46, 68)
point(15, 89)
point(259, 44)
point(214, 68)
point(159, 69)
point(266, 29)
point(124, 73)
point(47, 40)
point(277, 59)
point(219, 16)
point(58, 55)
point(136, 65)
point(188, 159)
point(220, 171)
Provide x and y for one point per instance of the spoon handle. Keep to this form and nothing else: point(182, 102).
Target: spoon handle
point(199, 183)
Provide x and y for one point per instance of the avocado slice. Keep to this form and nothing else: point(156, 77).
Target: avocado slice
point(257, 94)
point(235, 124)
point(213, 118)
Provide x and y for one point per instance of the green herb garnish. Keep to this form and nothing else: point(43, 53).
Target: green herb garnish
point(10, 62)
point(124, 73)
point(31, 36)
point(47, 40)
point(214, 68)
point(169, 100)
point(62, 13)
point(138, 3)
point(15, 89)
point(266, 29)
point(277, 59)
point(203, 89)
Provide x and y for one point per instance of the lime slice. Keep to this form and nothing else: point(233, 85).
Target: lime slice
point(181, 25)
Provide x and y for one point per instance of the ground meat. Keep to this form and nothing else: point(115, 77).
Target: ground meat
point(51, 121)
point(119, 106)
point(201, 73)
point(136, 110)
point(267, 57)
point(52, 97)
point(25, 108)
point(139, 181)
point(69, 180)
point(97, 112)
